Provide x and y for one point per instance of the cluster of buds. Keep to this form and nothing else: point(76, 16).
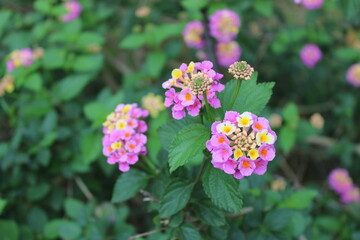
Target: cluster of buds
point(340, 181)
point(197, 81)
point(73, 9)
point(353, 75)
point(153, 103)
point(310, 55)
point(6, 85)
point(242, 144)
point(23, 57)
point(241, 70)
point(123, 139)
point(224, 26)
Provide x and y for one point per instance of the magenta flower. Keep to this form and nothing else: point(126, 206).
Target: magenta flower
point(123, 139)
point(242, 144)
point(10, 66)
point(193, 35)
point(227, 53)
point(310, 55)
point(193, 80)
point(18, 58)
point(224, 25)
point(353, 75)
point(339, 180)
point(352, 195)
point(73, 8)
point(312, 4)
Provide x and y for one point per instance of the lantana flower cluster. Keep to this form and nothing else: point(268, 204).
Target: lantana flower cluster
point(73, 9)
point(223, 26)
point(310, 4)
point(353, 75)
point(22, 58)
point(153, 103)
point(124, 138)
point(310, 55)
point(341, 182)
point(195, 82)
point(242, 144)
point(6, 85)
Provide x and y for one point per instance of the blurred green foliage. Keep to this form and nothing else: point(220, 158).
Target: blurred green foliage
point(55, 183)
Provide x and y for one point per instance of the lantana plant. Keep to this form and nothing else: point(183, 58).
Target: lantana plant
point(216, 138)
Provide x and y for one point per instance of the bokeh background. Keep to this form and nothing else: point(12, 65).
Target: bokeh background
point(54, 181)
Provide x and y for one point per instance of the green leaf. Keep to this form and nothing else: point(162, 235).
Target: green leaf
point(347, 54)
point(222, 189)
point(264, 7)
point(96, 112)
point(129, 184)
point(3, 203)
point(168, 131)
point(299, 200)
point(191, 5)
point(69, 230)
point(291, 114)
point(175, 197)
point(277, 219)
point(76, 210)
point(37, 219)
point(189, 232)
point(133, 41)
point(90, 38)
point(9, 230)
point(252, 97)
point(287, 138)
point(37, 192)
point(43, 6)
point(88, 63)
point(176, 219)
point(187, 144)
point(54, 58)
point(4, 18)
point(209, 214)
point(90, 147)
point(328, 223)
point(33, 82)
point(154, 63)
point(70, 86)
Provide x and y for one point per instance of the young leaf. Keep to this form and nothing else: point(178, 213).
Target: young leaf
point(209, 214)
point(168, 131)
point(278, 219)
point(128, 184)
point(222, 189)
point(189, 232)
point(175, 197)
point(299, 200)
point(187, 144)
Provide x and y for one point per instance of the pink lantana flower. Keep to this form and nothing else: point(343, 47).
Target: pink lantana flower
point(73, 8)
point(310, 55)
point(353, 75)
point(123, 139)
point(311, 4)
point(193, 34)
point(224, 25)
point(227, 53)
point(242, 144)
point(352, 195)
point(193, 80)
point(339, 180)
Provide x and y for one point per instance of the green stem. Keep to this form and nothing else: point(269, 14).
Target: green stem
point(150, 164)
point(238, 85)
point(208, 109)
point(200, 171)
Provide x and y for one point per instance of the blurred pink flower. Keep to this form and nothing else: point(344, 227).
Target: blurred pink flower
point(352, 195)
point(339, 180)
point(312, 4)
point(227, 53)
point(224, 25)
point(193, 35)
point(353, 75)
point(310, 55)
point(73, 8)
point(123, 139)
